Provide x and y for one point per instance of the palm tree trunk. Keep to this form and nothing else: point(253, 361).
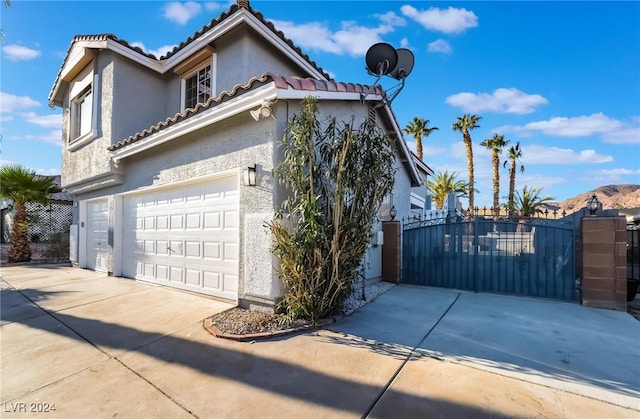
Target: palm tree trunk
point(512, 186)
point(19, 250)
point(419, 148)
point(469, 151)
point(496, 184)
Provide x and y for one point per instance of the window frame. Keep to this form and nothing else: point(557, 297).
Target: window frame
point(85, 99)
point(196, 73)
point(206, 57)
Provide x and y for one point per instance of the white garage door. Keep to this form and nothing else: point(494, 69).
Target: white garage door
point(97, 235)
point(184, 237)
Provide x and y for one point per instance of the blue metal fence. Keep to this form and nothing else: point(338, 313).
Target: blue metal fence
point(525, 256)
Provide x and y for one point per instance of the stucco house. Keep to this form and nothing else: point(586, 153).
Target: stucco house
point(170, 158)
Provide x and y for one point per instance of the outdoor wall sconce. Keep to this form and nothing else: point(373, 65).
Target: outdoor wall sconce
point(264, 111)
point(593, 205)
point(250, 176)
point(393, 212)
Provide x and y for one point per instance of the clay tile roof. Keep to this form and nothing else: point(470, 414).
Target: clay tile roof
point(224, 15)
point(281, 82)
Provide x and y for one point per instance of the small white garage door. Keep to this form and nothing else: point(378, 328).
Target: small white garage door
point(185, 237)
point(97, 235)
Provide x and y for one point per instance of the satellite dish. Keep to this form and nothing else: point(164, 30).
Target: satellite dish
point(404, 66)
point(381, 58)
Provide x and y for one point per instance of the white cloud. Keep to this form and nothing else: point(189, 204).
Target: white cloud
point(533, 180)
point(502, 100)
point(213, 5)
point(612, 176)
point(159, 52)
point(616, 172)
point(351, 39)
point(404, 43)
point(578, 126)
point(40, 171)
point(181, 12)
point(15, 53)
point(9, 102)
point(391, 18)
point(611, 130)
point(46, 121)
point(451, 20)
point(52, 137)
point(624, 135)
point(439, 45)
point(537, 154)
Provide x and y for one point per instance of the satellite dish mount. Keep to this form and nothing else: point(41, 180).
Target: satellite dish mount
point(384, 60)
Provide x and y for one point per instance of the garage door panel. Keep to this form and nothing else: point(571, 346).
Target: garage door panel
point(231, 219)
point(162, 273)
point(212, 251)
point(177, 222)
point(175, 274)
point(162, 222)
point(193, 221)
point(230, 283)
point(192, 277)
point(97, 235)
point(212, 220)
point(189, 237)
point(192, 249)
point(231, 252)
point(211, 279)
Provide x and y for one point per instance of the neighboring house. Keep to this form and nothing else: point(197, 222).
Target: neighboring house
point(420, 199)
point(49, 222)
point(161, 153)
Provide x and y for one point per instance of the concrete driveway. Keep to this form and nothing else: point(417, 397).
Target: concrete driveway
point(97, 346)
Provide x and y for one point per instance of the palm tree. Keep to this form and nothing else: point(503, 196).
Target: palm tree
point(2, 33)
point(495, 144)
point(529, 201)
point(465, 123)
point(418, 128)
point(22, 185)
point(443, 184)
point(515, 153)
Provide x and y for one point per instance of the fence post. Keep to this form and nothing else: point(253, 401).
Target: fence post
point(476, 248)
point(391, 251)
point(604, 262)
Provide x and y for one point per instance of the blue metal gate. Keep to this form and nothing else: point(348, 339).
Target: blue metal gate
point(527, 256)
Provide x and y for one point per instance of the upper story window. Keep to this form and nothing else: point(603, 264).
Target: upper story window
point(83, 106)
point(197, 77)
point(197, 87)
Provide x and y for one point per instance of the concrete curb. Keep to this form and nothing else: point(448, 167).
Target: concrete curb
point(215, 331)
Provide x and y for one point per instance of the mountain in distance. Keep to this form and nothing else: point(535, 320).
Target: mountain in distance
point(611, 196)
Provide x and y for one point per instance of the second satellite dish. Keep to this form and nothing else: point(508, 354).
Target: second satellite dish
point(381, 58)
point(404, 66)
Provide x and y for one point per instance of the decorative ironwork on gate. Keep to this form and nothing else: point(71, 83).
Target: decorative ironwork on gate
point(518, 255)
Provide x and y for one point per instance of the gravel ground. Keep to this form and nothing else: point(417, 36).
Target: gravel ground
point(238, 321)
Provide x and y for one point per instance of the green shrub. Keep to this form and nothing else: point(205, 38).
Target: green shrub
point(337, 177)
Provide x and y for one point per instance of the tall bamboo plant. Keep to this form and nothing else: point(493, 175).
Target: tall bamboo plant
point(337, 176)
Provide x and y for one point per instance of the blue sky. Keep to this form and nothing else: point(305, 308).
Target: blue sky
point(561, 78)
